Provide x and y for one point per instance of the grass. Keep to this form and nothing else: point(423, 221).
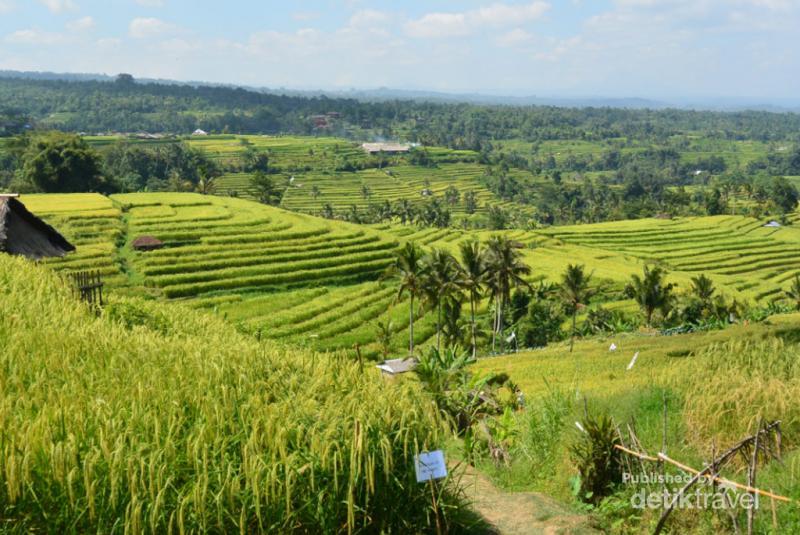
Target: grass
point(155, 418)
point(716, 386)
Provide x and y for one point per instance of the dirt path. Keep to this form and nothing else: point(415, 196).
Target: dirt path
point(516, 513)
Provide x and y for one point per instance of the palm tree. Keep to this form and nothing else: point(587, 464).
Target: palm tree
point(408, 267)
point(793, 292)
point(442, 281)
point(575, 292)
point(703, 288)
point(651, 292)
point(473, 273)
point(405, 211)
point(506, 269)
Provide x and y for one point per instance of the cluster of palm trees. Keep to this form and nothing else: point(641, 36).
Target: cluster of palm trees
point(443, 282)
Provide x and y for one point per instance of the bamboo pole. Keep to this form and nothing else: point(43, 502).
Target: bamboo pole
point(721, 480)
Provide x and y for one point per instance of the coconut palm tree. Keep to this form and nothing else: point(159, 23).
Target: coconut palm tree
point(575, 292)
point(409, 269)
point(651, 292)
point(506, 271)
point(442, 281)
point(703, 288)
point(793, 292)
point(473, 273)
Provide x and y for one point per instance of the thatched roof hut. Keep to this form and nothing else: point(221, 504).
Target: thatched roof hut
point(24, 234)
point(147, 243)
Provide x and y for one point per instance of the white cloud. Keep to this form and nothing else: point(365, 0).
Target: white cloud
point(151, 3)
point(59, 6)
point(468, 22)
point(143, 27)
point(515, 37)
point(368, 18)
point(81, 25)
point(108, 42)
point(305, 16)
point(33, 36)
point(6, 6)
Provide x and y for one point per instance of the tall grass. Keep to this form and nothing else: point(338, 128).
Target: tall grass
point(154, 418)
point(730, 386)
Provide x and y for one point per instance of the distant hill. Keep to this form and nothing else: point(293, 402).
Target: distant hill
point(383, 94)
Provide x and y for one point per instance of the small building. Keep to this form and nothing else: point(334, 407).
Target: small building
point(386, 148)
point(199, 132)
point(773, 224)
point(397, 366)
point(147, 243)
point(24, 234)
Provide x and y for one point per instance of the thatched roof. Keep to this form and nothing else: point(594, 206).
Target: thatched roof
point(147, 243)
point(24, 234)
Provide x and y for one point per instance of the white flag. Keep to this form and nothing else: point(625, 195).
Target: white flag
point(633, 360)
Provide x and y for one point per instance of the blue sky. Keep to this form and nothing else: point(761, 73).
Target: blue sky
point(612, 48)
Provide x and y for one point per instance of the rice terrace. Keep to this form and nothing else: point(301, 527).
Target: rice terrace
point(282, 301)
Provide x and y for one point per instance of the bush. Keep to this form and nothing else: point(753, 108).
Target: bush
point(542, 324)
point(597, 460)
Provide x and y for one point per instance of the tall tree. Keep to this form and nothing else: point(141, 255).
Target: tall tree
point(507, 270)
point(575, 292)
point(703, 289)
point(409, 269)
point(793, 292)
point(651, 292)
point(266, 190)
point(62, 163)
point(442, 282)
point(473, 272)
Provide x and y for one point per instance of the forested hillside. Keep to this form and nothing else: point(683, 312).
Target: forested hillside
point(127, 106)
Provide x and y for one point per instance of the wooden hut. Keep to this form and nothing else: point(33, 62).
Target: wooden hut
point(147, 243)
point(24, 234)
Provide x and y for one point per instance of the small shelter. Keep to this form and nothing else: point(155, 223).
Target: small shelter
point(147, 243)
point(24, 234)
point(397, 366)
point(386, 148)
point(773, 224)
point(199, 132)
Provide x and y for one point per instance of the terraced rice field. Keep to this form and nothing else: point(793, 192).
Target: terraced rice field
point(222, 245)
point(343, 190)
point(305, 280)
point(91, 222)
point(737, 251)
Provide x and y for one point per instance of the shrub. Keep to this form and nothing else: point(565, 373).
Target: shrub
point(542, 324)
point(597, 460)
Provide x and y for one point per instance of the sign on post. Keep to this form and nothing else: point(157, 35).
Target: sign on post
point(430, 465)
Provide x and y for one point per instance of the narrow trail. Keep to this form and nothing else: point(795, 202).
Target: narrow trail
point(517, 513)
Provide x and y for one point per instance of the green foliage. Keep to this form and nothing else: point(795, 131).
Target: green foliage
point(793, 292)
point(596, 458)
point(444, 374)
point(651, 292)
point(61, 163)
point(542, 324)
point(158, 167)
point(575, 292)
point(267, 192)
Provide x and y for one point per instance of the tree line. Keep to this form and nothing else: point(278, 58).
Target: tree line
point(128, 106)
point(495, 273)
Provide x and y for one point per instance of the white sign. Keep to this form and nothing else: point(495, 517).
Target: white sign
point(430, 465)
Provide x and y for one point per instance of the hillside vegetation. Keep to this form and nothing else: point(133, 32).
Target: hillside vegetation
point(154, 418)
point(319, 283)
